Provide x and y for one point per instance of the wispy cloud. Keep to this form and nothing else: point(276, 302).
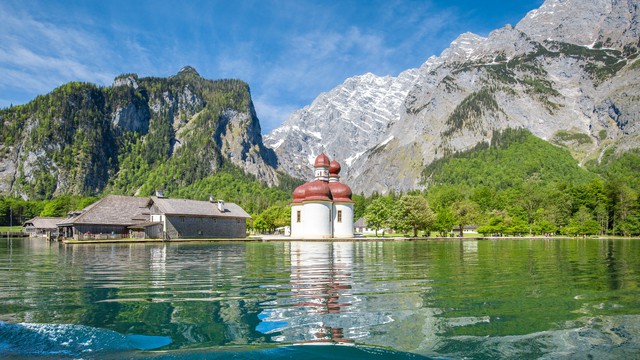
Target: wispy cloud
point(36, 56)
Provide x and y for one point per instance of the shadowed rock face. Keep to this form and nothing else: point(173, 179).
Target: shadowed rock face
point(569, 66)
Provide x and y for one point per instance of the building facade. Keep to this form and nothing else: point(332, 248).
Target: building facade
point(188, 219)
point(322, 208)
point(42, 226)
point(155, 217)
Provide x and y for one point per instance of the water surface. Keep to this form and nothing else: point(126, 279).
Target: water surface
point(485, 299)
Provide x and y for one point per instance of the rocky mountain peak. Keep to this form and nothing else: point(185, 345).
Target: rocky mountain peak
point(126, 80)
point(187, 70)
point(567, 72)
point(605, 23)
point(463, 47)
point(346, 121)
point(84, 139)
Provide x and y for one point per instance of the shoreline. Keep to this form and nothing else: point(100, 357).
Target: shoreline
point(276, 238)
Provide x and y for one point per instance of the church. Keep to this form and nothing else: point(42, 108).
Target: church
point(322, 208)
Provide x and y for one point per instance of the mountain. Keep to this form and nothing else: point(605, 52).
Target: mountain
point(351, 118)
point(568, 72)
point(133, 137)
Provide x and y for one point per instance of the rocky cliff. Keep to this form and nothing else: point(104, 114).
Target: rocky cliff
point(82, 139)
point(568, 72)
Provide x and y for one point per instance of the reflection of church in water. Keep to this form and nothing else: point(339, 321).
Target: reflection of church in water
point(320, 306)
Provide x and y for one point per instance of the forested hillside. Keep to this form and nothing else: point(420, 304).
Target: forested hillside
point(519, 185)
point(134, 137)
point(184, 134)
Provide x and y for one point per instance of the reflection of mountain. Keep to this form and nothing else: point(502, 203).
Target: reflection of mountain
point(321, 306)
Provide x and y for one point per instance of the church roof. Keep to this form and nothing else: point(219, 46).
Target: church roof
point(317, 190)
point(321, 189)
point(334, 168)
point(340, 192)
point(321, 161)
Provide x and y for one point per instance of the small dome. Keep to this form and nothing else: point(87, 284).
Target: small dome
point(298, 193)
point(317, 190)
point(340, 192)
point(334, 168)
point(321, 161)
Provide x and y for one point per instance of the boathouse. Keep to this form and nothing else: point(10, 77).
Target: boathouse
point(42, 226)
point(109, 217)
point(156, 217)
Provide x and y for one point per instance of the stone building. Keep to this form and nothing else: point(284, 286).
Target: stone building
point(182, 218)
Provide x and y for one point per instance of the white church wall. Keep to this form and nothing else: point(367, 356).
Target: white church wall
point(316, 220)
point(343, 220)
point(297, 226)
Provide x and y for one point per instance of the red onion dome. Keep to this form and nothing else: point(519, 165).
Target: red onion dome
point(334, 168)
point(321, 161)
point(317, 190)
point(340, 192)
point(298, 193)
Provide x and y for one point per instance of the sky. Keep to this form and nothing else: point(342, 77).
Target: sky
point(288, 51)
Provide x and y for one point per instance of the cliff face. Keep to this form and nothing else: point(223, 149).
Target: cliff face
point(347, 121)
point(567, 72)
point(81, 139)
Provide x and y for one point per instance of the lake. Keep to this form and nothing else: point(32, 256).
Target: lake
point(486, 299)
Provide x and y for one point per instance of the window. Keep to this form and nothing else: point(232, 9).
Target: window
point(339, 216)
point(298, 216)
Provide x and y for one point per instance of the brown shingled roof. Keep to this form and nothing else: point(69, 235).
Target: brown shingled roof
point(44, 222)
point(113, 210)
point(197, 208)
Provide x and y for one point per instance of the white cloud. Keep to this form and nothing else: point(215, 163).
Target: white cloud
point(37, 56)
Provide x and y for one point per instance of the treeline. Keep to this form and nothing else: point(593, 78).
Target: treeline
point(595, 208)
point(16, 211)
point(229, 183)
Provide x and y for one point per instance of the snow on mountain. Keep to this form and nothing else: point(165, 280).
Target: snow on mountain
point(568, 67)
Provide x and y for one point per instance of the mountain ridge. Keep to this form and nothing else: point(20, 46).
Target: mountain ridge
point(534, 76)
point(83, 139)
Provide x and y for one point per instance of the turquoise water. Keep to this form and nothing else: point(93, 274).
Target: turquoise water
point(512, 299)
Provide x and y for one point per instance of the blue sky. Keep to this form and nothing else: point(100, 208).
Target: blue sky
point(287, 51)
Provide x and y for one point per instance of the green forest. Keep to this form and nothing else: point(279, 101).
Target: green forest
point(517, 185)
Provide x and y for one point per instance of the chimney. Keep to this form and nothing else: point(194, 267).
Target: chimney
point(221, 205)
point(211, 200)
point(160, 193)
